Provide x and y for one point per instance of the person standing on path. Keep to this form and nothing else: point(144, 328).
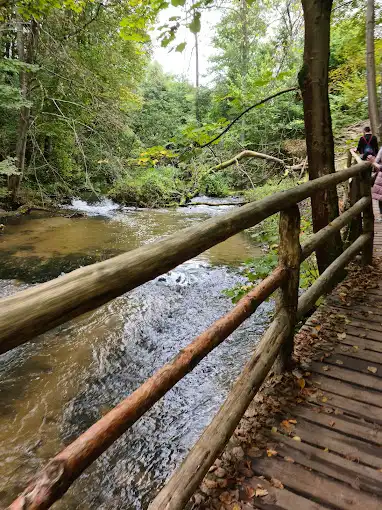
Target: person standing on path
point(376, 190)
point(368, 144)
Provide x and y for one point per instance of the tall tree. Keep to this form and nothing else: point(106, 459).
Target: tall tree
point(313, 79)
point(26, 37)
point(370, 67)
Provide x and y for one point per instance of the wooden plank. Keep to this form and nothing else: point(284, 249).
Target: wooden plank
point(355, 314)
point(359, 431)
point(367, 381)
point(358, 477)
point(279, 498)
point(360, 353)
point(350, 448)
point(337, 303)
point(308, 484)
point(347, 390)
point(357, 365)
point(28, 313)
point(357, 409)
point(363, 333)
point(364, 343)
point(370, 345)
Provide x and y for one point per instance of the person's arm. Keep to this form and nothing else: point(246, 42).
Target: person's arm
point(360, 145)
point(378, 159)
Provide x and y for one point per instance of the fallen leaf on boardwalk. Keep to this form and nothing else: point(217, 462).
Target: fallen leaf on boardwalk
point(250, 491)
point(225, 497)
point(373, 370)
point(210, 484)
point(271, 453)
point(296, 438)
point(324, 399)
point(289, 459)
point(339, 362)
point(355, 348)
point(332, 423)
point(325, 368)
point(276, 483)
point(318, 327)
point(301, 383)
point(260, 493)
point(236, 506)
point(220, 472)
point(326, 450)
point(274, 430)
point(293, 421)
point(341, 336)
point(362, 335)
point(286, 425)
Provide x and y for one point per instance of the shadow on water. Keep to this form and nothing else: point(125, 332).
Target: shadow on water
point(55, 387)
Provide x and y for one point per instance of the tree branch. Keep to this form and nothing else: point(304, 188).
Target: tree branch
point(247, 154)
point(85, 25)
point(246, 111)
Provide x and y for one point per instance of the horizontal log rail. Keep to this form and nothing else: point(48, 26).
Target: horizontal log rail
point(34, 311)
point(57, 476)
point(191, 472)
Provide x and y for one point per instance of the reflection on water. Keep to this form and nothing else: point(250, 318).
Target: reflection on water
point(52, 389)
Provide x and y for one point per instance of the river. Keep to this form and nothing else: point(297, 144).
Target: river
point(55, 387)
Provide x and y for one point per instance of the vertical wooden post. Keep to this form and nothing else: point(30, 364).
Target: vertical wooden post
point(289, 257)
point(355, 227)
point(349, 159)
point(368, 216)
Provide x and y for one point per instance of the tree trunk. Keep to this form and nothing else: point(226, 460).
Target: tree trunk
point(244, 60)
point(370, 68)
point(26, 43)
point(313, 79)
point(197, 106)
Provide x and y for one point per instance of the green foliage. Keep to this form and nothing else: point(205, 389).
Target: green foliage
point(214, 185)
point(8, 167)
point(154, 187)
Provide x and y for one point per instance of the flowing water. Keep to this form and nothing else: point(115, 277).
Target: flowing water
point(55, 387)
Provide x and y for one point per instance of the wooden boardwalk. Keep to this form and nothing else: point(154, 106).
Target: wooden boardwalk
point(329, 455)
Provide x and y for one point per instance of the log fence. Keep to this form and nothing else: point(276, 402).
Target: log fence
point(34, 311)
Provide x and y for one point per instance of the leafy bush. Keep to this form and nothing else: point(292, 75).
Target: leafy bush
point(155, 187)
point(214, 185)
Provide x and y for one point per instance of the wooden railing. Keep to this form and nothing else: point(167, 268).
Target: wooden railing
point(31, 312)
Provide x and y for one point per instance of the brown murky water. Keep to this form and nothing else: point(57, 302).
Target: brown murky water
point(52, 389)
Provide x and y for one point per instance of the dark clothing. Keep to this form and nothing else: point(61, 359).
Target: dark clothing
point(367, 139)
point(380, 207)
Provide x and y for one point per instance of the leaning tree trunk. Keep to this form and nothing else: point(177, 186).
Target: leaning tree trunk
point(313, 79)
point(370, 67)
